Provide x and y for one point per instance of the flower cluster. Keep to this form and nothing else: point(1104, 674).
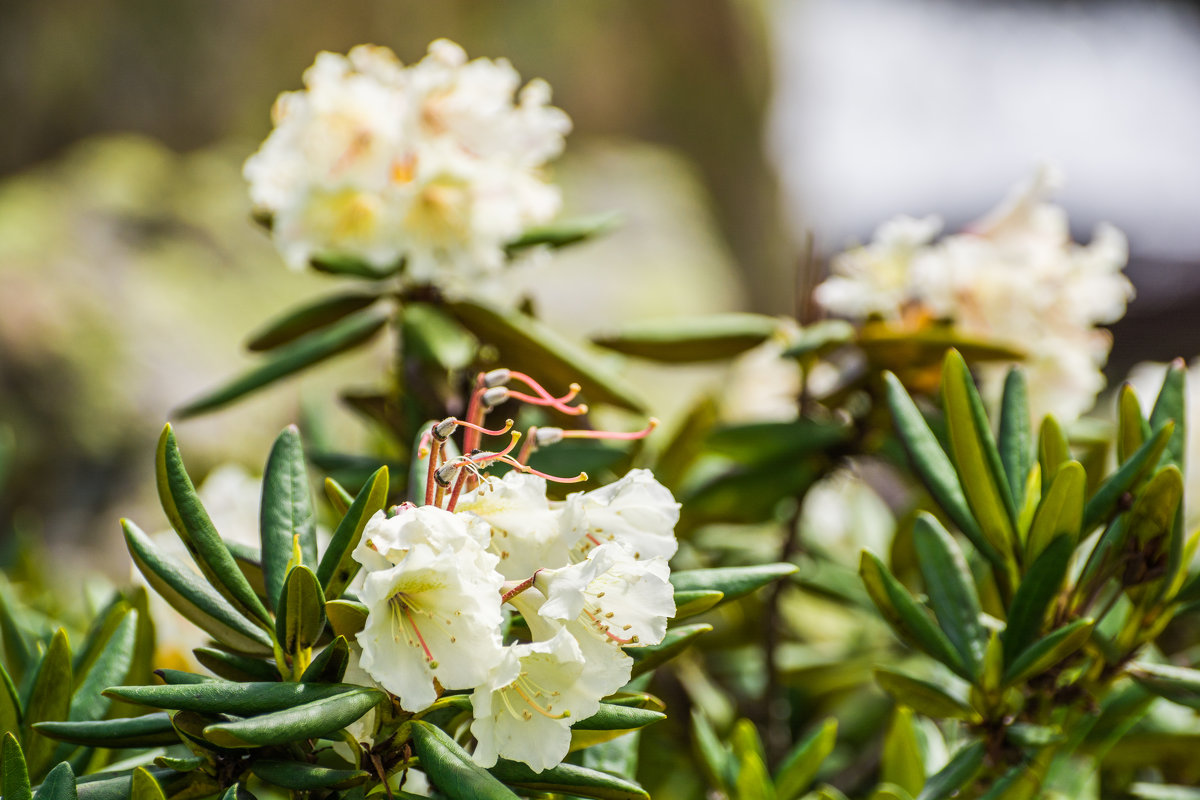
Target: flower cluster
point(1014, 278)
point(433, 164)
point(588, 576)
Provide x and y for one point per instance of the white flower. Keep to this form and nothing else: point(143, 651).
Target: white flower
point(637, 511)
point(386, 540)
point(437, 164)
point(435, 615)
point(525, 532)
point(616, 598)
point(525, 710)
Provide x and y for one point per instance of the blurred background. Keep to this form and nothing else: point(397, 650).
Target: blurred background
point(725, 132)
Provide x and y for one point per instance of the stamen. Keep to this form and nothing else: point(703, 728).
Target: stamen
point(552, 402)
point(541, 391)
point(495, 396)
point(444, 429)
point(431, 471)
point(590, 434)
point(604, 629)
point(508, 423)
point(517, 465)
point(534, 705)
point(497, 377)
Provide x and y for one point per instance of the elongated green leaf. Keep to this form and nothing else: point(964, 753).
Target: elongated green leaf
point(691, 603)
point(1060, 513)
point(923, 697)
point(58, 785)
point(117, 786)
point(566, 232)
point(307, 318)
point(175, 677)
point(901, 762)
point(568, 779)
point(301, 616)
point(286, 512)
point(1048, 651)
point(49, 701)
point(675, 642)
point(342, 264)
point(1180, 685)
point(911, 622)
point(330, 665)
point(951, 589)
point(1132, 427)
point(338, 497)
point(732, 582)
point(1153, 512)
point(1171, 406)
point(308, 721)
point(337, 567)
point(976, 456)
point(10, 705)
point(15, 785)
point(346, 617)
point(800, 766)
point(189, 519)
point(933, 466)
point(689, 339)
point(300, 354)
point(1016, 439)
point(1039, 587)
point(112, 666)
point(432, 336)
point(715, 759)
point(144, 787)
point(18, 650)
point(960, 771)
point(1104, 501)
point(890, 791)
point(760, 442)
point(530, 346)
point(612, 717)
point(451, 770)
point(224, 697)
point(818, 338)
point(192, 597)
point(150, 730)
point(234, 667)
point(307, 777)
point(1053, 450)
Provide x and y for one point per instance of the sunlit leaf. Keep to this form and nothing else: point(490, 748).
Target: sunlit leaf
point(307, 721)
point(451, 770)
point(311, 316)
point(286, 512)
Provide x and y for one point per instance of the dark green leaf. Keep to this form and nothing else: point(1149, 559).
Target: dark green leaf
point(760, 442)
point(732, 582)
point(10, 705)
point(568, 779)
point(612, 717)
point(175, 677)
point(923, 697)
point(960, 771)
point(1048, 651)
point(800, 766)
point(286, 512)
point(675, 642)
point(306, 777)
point(307, 318)
point(748, 495)
point(342, 264)
point(691, 603)
point(951, 589)
point(224, 697)
point(451, 770)
point(819, 337)
point(1034, 596)
point(1016, 439)
point(58, 785)
point(566, 232)
point(49, 701)
point(1171, 406)
point(432, 336)
point(234, 667)
point(151, 730)
point(337, 567)
point(330, 665)
point(309, 721)
point(1178, 684)
point(689, 339)
point(1104, 501)
point(302, 353)
point(111, 667)
point(15, 785)
point(715, 759)
point(301, 617)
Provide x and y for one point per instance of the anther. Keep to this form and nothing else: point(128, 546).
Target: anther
point(445, 474)
point(548, 436)
point(497, 377)
point(495, 396)
point(444, 429)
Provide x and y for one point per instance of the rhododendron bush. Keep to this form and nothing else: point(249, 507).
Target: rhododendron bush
point(844, 570)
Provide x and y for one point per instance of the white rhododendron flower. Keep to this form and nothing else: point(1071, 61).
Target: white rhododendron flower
point(432, 616)
point(436, 164)
point(386, 540)
point(526, 533)
point(1014, 278)
point(636, 511)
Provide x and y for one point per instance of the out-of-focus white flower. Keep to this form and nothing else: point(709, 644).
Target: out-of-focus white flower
point(844, 515)
point(526, 533)
point(1014, 278)
point(437, 164)
point(433, 616)
point(525, 710)
point(636, 511)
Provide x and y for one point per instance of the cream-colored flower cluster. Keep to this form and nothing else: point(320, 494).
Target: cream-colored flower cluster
point(437, 164)
point(1014, 278)
point(588, 575)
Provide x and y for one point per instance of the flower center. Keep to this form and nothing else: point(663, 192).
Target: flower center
point(535, 696)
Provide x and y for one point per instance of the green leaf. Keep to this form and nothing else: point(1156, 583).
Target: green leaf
point(302, 777)
point(312, 316)
point(1016, 439)
point(1162, 791)
point(287, 512)
point(434, 337)
point(451, 770)
point(18, 650)
point(819, 337)
point(612, 717)
point(681, 340)
point(894, 348)
point(1053, 450)
point(691, 603)
point(530, 346)
point(566, 232)
point(338, 497)
point(1153, 512)
point(960, 771)
point(346, 617)
point(1046, 652)
point(337, 567)
point(923, 697)
point(117, 786)
point(1060, 513)
point(750, 494)
point(761, 442)
point(330, 665)
point(800, 766)
point(150, 730)
point(565, 778)
point(189, 519)
point(976, 456)
point(224, 697)
point(1104, 501)
point(15, 783)
point(951, 589)
point(1038, 589)
point(1171, 406)
point(10, 705)
point(909, 620)
point(732, 582)
point(58, 785)
point(175, 677)
point(342, 264)
point(234, 667)
point(675, 642)
point(1180, 685)
point(301, 617)
point(715, 759)
point(111, 666)
point(144, 787)
point(1132, 427)
point(933, 466)
point(300, 354)
point(309, 721)
point(191, 597)
point(902, 763)
point(49, 701)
